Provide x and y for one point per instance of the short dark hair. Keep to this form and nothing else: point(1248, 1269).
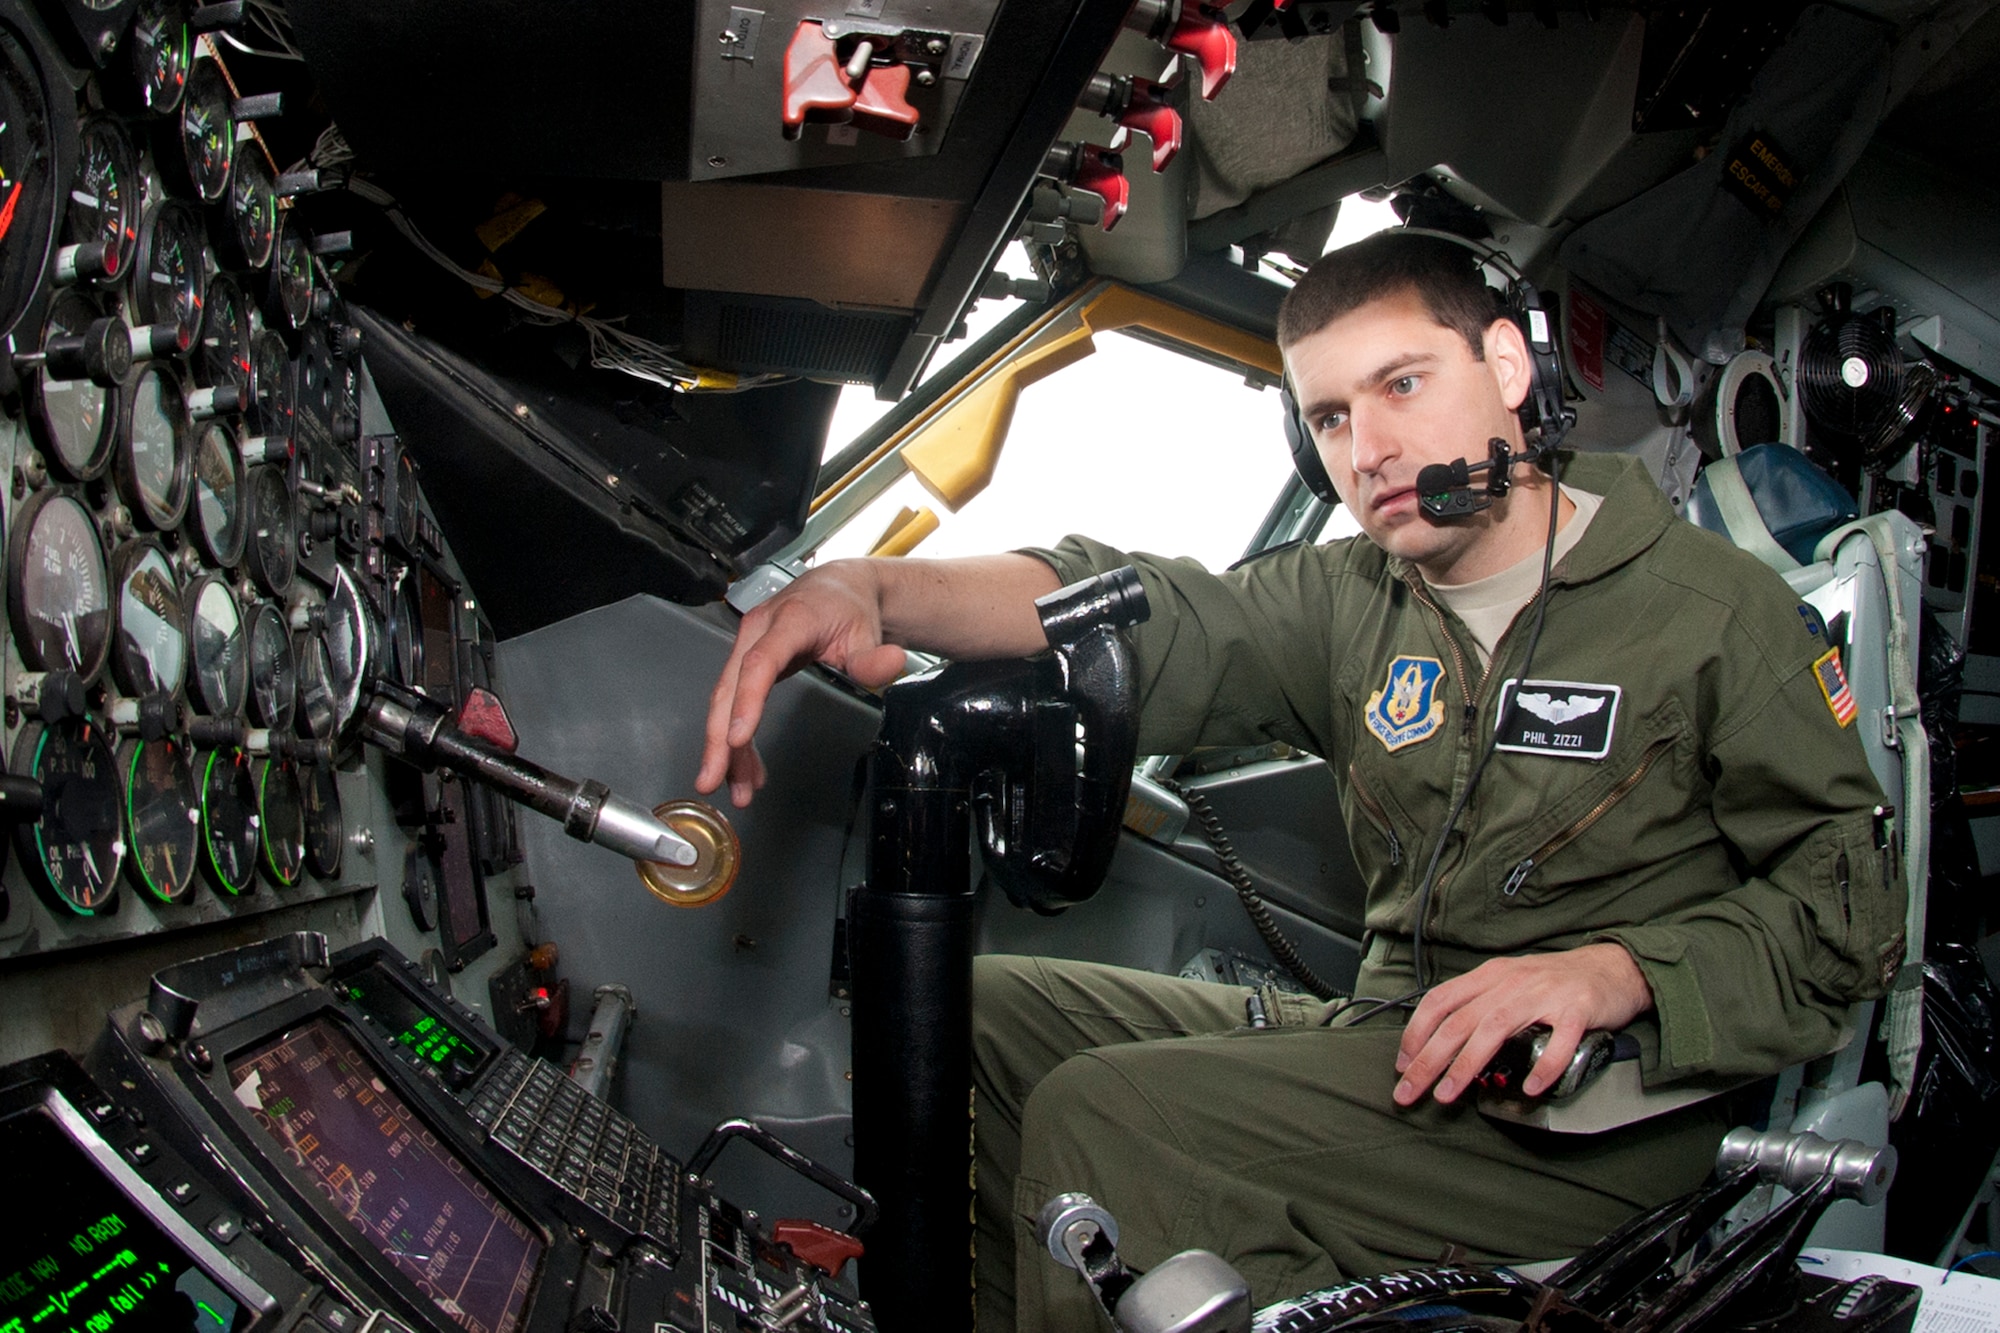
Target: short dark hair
point(1445, 276)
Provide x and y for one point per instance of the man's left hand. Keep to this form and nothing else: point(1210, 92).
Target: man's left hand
point(1460, 1024)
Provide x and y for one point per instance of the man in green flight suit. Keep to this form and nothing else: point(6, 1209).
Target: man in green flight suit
point(1674, 832)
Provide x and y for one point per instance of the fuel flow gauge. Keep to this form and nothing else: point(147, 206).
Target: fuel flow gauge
point(162, 818)
point(73, 851)
point(168, 279)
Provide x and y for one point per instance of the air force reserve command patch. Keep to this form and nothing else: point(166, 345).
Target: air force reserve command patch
point(1566, 718)
point(1410, 705)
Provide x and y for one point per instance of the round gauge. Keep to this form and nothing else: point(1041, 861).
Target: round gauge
point(405, 510)
point(58, 586)
point(281, 821)
point(104, 200)
point(406, 631)
point(74, 849)
point(216, 515)
point(272, 366)
point(149, 652)
point(30, 176)
point(219, 673)
point(288, 298)
point(249, 226)
point(162, 818)
point(161, 52)
point(272, 553)
point(152, 464)
point(315, 712)
point(313, 402)
point(75, 420)
point(420, 885)
point(223, 356)
point(326, 830)
point(351, 640)
point(167, 275)
point(208, 131)
point(274, 675)
point(228, 821)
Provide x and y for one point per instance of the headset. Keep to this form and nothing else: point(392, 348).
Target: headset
point(1444, 490)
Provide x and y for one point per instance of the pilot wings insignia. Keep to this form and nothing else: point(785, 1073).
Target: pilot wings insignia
point(1566, 719)
point(1556, 711)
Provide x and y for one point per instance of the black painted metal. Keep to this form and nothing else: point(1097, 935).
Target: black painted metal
point(993, 743)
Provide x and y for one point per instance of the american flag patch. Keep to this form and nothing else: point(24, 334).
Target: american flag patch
point(1833, 684)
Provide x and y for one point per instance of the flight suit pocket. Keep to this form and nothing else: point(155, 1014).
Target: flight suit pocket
point(1379, 850)
point(1860, 906)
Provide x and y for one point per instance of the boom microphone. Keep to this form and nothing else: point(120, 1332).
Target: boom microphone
point(1444, 490)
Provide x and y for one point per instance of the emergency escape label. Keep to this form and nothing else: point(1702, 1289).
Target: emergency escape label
point(1567, 718)
point(1760, 174)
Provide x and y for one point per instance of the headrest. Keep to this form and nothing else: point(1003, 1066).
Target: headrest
point(1772, 501)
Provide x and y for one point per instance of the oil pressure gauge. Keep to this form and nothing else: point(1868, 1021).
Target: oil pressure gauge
point(103, 204)
point(150, 651)
point(74, 849)
point(161, 51)
point(58, 586)
point(216, 517)
point(151, 465)
point(168, 280)
point(162, 818)
point(219, 666)
point(206, 138)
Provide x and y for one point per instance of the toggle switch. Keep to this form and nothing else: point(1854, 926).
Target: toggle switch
point(1088, 167)
point(1137, 104)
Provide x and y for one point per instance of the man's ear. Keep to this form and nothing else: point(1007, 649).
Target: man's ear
point(1508, 358)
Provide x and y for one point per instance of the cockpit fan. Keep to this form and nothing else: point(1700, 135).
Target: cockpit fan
point(1852, 374)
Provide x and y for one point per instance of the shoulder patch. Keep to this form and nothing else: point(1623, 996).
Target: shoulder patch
point(1832, 682)
point(1814, 625)
point(1410, 706)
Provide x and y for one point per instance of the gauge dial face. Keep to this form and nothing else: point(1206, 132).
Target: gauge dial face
point(162, 818)
point(406, 502)
point(253, 211)
point(224, 354)
point(313, 406)
point(161, 51)
point(326, 829)
point(74, 850)
point(59, 587)
point(28, 204)
point(104, 199)
point(216, 514)
point(78, 419)
point(273, 368)
point(406, 632)
point(150, 652)
point(228, 821)
point(281, 821)
point(220, 674)
point(274, 675)
point(168, 280)
point(208, 131)
point(315, 711)
point(272, 553)
point(350, 637)
point(153, 471)
point(289, 303)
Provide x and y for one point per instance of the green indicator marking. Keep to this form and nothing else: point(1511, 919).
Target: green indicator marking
point(234, 889)
point(264, 829)
point(203, 1307)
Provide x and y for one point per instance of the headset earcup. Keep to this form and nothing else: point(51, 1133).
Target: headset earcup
point(1305, 457)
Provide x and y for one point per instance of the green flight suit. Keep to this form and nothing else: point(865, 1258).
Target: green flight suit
point(1719, 826)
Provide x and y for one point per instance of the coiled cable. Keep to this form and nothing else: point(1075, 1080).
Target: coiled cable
point(1275, 939)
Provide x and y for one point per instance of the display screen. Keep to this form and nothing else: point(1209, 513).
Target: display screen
point(330, 1110)
point(81, 1257)
point(374, 992)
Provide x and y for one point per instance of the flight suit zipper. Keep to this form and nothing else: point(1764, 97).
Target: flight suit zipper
point(1519, 874)
point(1373, 809)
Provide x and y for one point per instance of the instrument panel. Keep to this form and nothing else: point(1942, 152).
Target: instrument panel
point(206, 562)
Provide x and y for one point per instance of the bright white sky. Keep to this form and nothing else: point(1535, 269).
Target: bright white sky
point(1134, 445)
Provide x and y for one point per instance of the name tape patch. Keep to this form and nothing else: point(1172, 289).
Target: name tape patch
point(1567, 718)
point(1409, 707)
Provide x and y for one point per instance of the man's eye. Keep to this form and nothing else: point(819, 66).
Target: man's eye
point(1403, 385)
point(1332, 422)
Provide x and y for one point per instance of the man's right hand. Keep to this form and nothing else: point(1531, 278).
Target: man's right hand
point(832, 614)
point(856, 616)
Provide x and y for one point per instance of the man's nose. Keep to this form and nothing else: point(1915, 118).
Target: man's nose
point(1371, 441)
